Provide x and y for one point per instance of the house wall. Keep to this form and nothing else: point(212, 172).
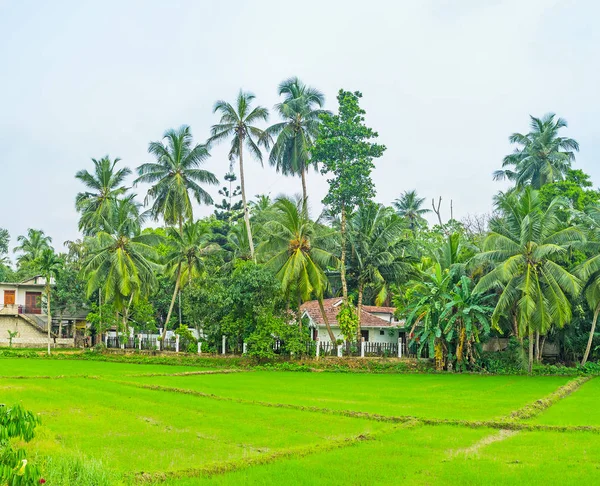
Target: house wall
point(20, 292)
point(28, 335)
point(390, 335)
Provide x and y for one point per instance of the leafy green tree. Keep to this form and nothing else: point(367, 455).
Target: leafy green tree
point(49, 265)
point(175, 175)
point(526, 245)
point(32, 246)
point(376, 244)
point(295, 135)
point(410, 207)
point(236, 123)
point(293, 252)
point(185, 259)
point(576, 188)
point(228, 210)
point(105, 186)
point(346, 152)
point(68, 293)
point(542, 156)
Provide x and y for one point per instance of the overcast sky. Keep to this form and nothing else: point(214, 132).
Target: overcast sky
point(444, 84)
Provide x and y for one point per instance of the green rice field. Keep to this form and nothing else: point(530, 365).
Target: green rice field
point(129, 423)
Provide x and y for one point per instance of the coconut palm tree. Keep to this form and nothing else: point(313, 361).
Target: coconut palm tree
point(410, 207)
point(32, 246)
point(236, 124)
point(185, 259)
point(49, 265)
point(293, 251)
point(524, 244)
point(375, 237)
point(294, 136)
point(175, 176)
point(97, 205)
point(542, 156)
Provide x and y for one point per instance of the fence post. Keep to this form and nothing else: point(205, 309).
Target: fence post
point(244, 348)
point(224, 343)
point(177, 343)
point(318, 348)
point(199, 347)
point(399, 347)
point(106, 340)
point(158, 344)
point(362, 347)
point(140, 342)
point(339, 351)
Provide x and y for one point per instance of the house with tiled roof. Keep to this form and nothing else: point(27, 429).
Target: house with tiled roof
point(378, 324)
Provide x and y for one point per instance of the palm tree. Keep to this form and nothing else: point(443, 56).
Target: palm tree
point(175, 175)
point(589, 272)
point(542, 157)
point(236, 123)
point(293, 252)
point(294, 136)
point(375, 237)
point(524, 244)
point(409, 206)
point(186, 256)
point(32, 246)
point(122, 262)
point(49, 266)
point(105, 186)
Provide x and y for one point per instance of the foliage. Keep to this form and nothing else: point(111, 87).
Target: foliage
point(347, 320)
point(410, 207)
point(31, 246)
point(17, 423)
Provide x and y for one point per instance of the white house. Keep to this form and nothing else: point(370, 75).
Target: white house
point(23, 314)
point(378, 324)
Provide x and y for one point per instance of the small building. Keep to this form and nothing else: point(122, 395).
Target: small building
point(378, 324)
point(23, 314)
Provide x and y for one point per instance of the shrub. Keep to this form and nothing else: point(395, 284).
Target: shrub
point(75, 471)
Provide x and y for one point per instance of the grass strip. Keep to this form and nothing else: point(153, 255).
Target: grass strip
point(533, 409)
point(188, 373)
point(400, 419)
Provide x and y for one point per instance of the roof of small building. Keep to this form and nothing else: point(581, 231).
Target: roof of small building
point(380, 309)
point(332, 307)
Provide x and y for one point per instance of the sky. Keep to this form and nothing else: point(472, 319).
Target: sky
point(444, 83)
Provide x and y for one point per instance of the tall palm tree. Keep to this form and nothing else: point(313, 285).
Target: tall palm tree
point(294, 136)
point(97, 205)
point(32, 246)
point(410, 207)
point(589, 272)
point(523, 244)
point(293, 251)
point(185, 259)
point(375, 239)
point(49, 265)
point(236, 124)
point(175, 175)
point(122, 262)
point(542, 156)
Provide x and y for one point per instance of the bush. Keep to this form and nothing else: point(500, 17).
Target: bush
point(75, 471)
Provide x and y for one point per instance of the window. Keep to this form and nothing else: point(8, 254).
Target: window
point(382, 332)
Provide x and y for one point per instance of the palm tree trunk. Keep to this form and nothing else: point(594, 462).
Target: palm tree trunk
point(591, 338)
point(246, 210)
point(530, 351)
point(327, 325)
point(538, 353)
point(359, 304)
point(164, 333)
point(299, 315)
point(49, 324)
point(304, 193)
point(343, 256)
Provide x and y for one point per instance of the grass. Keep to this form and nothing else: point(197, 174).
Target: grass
point(100, 428)
point(469, 397)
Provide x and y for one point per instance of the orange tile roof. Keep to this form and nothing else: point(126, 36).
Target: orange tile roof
point(332, 308)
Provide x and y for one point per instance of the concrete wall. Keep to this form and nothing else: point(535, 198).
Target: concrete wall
point(28, 335)
point(390, 335)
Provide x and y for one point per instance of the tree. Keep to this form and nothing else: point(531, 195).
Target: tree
point(49, 265)
point(295, 135)
point(97, 205)
point(236, 123)
point(294, 254)
point(542, 156)
point(228, 210)
point(68, 293)
point(576, 188)
point(175, 175)
point(376, 244)
point(32, 246)
point(186, 257)
point(525, 243)
point(409, 206)
point(343, 147)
